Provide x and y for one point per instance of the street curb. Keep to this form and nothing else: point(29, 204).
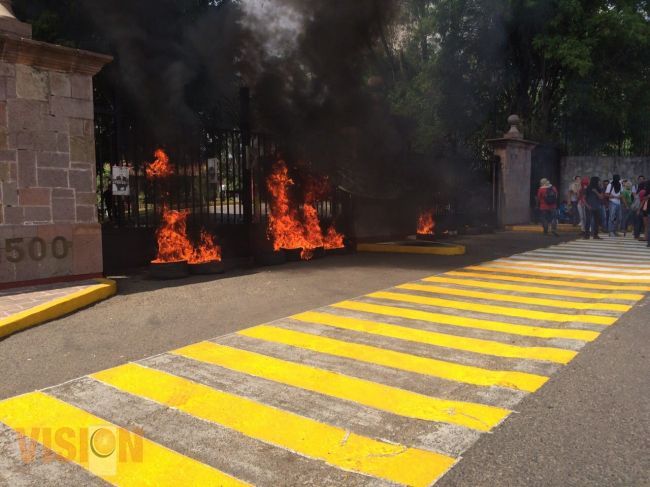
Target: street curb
point(105, 288)
point(562, 228)
point(440, 249)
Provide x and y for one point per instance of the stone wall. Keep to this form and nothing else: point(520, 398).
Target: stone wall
point(48, 215)
point(603, 167)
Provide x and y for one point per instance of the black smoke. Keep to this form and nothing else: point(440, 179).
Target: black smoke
point(311, 78)
point(311, 66)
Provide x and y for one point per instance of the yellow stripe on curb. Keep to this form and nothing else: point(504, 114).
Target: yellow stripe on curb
point(105, 288)
point(488, 274)
point(460, 321)
point(398, 360)
point(528, 289)
point(440, 249)
point(379, 396)
point(491, 309)
point(551, 303)
point(475, 345)
point(43, 418)
point(335, 446)
point(506, 269)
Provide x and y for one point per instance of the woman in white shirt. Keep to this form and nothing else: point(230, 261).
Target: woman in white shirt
point(613, 194)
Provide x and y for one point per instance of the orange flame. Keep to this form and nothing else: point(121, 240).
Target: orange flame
point(173, 245)
point(206, 251)
point(426, 223)
point(286, 229)
point(160, 168)
point(333, 239)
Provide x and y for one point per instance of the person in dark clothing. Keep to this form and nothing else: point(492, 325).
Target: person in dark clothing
point(594, 198)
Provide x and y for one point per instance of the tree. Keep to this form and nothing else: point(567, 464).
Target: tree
point(556, 63)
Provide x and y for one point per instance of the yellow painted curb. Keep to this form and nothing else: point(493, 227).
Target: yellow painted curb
point(105, 288)
point(562, 228)
point(440, 249)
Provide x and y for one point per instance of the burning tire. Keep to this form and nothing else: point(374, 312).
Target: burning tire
point(297, 255)
point(207, 268)
point(425, 238)
point(292, 255)
point(169, 270)
point(270, 258)
point(341, 251)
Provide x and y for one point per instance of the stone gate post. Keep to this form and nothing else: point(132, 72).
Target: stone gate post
point(515, 160)
point(48, 211)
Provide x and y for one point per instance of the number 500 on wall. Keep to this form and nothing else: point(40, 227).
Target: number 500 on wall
point(18, 249)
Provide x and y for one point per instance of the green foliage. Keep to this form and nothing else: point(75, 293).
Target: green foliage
point(581, 64)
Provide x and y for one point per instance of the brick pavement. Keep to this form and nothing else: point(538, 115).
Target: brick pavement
point(14, 301)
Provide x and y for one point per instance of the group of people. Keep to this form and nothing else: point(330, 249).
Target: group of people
point(596, 204)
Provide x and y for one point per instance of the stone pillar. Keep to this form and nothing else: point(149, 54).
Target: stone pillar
point(515, 156)
point(48, 215)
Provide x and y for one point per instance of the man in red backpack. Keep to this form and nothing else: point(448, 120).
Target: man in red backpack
point(547, 200)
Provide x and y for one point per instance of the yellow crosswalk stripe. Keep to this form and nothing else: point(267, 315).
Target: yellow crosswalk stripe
point(379, 396)
point(403, 361)
point(528, 289)
point(488, 273)
point(67, 431)
point(460, 321)
point(491, 309)
point(335, 446)
point(504, 268)
point(552, 303)
point(476, 345)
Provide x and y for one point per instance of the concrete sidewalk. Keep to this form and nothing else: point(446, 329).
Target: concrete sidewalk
point(21, 308)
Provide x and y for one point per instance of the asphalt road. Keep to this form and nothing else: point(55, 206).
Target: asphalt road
point(590, 425)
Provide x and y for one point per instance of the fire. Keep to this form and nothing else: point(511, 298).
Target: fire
point(333, 239)
point(286, 228)
point(426, 223)
point(206, 251)
point(173, 244)
point(160, 168)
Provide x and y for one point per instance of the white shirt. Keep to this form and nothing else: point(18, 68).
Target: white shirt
point(614, 197)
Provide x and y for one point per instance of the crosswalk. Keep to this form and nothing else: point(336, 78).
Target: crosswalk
point(389, 388)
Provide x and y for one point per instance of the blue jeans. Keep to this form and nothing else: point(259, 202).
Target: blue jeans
point(628, 218)
point(615, 217)
point(592, 221)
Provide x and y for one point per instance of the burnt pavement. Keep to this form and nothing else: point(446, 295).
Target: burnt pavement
point(369, 369)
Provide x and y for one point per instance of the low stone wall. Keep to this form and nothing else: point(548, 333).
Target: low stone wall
point(603, 167)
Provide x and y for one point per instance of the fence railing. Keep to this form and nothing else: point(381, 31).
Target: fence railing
point(214, 180)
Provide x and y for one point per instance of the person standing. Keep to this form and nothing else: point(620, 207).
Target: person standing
point(613, 195)
point(604, 207)
point(628, 200)
point(582, 202)
point(574, 196)
point(642, 214)
point(547, 197)
point(593, 200)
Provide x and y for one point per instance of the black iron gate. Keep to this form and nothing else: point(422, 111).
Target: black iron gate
point(218, 179)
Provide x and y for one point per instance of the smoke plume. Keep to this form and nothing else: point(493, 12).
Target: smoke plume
point(308, 64)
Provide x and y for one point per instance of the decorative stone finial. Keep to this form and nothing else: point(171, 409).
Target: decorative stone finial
point(9, 24)
point(6, 10)
point(514, 132)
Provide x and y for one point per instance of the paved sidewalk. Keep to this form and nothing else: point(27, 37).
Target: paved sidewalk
point(13, 301)
point(23, 307)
